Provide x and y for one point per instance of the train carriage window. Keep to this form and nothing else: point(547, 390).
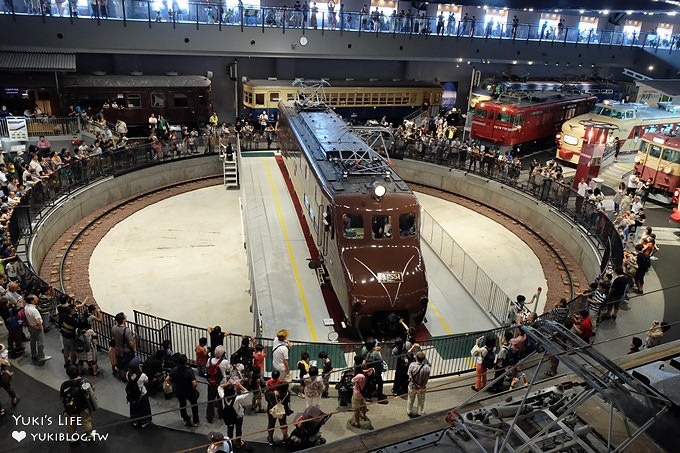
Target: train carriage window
point(273, 97)
point(381, 227)
point(504, 117)
point(353, 226)
point(158, 100)
point(407, 225)
point(247, 97)
point(672, 156)
point(290, 96)
point(180, 100)
point(259, 98)
point(134, 100)
point(655, 151)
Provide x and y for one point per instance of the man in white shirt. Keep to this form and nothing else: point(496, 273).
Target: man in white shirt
point(633, 181)
point(35, 329)
point(121, 127)
point(582, 191)
point(280, 348)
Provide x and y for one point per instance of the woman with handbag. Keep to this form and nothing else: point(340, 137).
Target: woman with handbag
point(278, 399)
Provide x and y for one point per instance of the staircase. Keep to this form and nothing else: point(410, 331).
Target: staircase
point(230, 168)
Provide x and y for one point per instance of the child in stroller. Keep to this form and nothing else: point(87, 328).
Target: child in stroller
point(307, 429)
point(344, 388)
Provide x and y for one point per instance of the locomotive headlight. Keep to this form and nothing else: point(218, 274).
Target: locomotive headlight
point(667, 170)
point(379, 191)
point(637, 159)
point(570, 140)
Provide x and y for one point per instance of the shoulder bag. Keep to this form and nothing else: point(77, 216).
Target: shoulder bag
point(277, 411)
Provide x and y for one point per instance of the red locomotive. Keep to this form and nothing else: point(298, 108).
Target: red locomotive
point(363, 217)
point(526, 119)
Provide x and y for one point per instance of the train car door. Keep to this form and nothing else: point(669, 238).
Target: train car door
point(652, 162)
point(326, 233)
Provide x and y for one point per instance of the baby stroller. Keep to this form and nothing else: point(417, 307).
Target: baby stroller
point(345, 388)
point(306, 433)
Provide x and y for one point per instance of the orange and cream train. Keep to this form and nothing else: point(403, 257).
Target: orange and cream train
point(627, 121)
point(658, 159)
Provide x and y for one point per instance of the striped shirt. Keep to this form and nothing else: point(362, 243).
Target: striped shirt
point(596, 300)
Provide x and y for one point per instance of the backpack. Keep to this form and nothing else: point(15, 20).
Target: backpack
point(214, 372)
point(21, 316)
point(508, 360)
point(132, 390)
point(75, 398)
point(245, 359)
point(82, 345)
point(489, 360)
point(229, 412)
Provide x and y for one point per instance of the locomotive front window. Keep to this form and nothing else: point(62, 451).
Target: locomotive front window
point(407, 225)
point(381, 227)
point(480, 113)
point(504, 117)
point(353, 226)
point(654, 151)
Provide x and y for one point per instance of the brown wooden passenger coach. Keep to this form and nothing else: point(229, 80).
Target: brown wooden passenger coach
point(180, 99)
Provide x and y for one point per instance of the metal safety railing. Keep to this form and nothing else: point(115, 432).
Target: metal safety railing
point(564, 199)
point(448, 355)
point(484, 291)
point(212, 13)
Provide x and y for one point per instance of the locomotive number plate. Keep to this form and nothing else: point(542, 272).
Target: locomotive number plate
point(389, 277)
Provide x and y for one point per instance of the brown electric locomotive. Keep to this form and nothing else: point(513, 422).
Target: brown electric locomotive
point(363, 217)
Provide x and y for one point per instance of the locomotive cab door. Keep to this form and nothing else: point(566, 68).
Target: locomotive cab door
point(326, 234)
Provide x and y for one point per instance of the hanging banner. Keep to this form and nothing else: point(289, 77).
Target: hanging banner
point(17, 129)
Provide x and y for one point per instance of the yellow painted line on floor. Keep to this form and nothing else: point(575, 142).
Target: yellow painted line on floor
point(291, 256)
point(437, 314)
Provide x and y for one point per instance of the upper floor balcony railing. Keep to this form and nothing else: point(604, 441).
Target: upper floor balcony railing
point(220, 15)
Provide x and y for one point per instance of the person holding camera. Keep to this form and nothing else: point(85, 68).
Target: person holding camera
point(418, 375)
